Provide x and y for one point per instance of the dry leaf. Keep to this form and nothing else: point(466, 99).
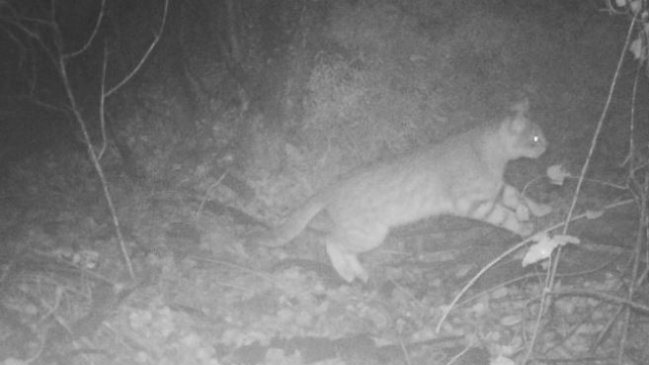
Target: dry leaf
point(511, 320)
point(594, 214)
point(544, 247)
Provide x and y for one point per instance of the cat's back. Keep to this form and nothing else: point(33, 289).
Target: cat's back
point(407, 187)
point(433, 180)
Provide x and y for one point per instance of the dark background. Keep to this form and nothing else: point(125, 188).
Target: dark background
point(241, 110)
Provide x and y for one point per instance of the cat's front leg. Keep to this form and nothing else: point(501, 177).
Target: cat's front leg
point(523, 205)
point(346, 264)
point(537, 209)
point(503, 216)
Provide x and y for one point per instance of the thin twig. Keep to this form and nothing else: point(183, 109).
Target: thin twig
point(609, 298)
point(554, 258)
point(95, 161)
point(512, 250)
point(92, 36)
point(102, 106)
point(404, 350)
point(156, 38)
point(641, 200)
point(207, 194)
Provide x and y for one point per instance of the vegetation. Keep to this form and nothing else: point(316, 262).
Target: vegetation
point(142, 141)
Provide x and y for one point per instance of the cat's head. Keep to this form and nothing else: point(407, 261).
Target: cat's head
point(521, 136)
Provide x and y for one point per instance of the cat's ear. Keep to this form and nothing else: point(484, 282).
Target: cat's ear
point(521, 108)
point(518, 123)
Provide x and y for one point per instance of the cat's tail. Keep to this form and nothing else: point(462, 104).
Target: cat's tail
point(294, 224)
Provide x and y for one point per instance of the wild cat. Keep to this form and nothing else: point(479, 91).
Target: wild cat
point(461, 176)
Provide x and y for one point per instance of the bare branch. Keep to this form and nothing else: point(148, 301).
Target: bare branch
point(94, 157)
point(92, 36)
point(146, 54)
point(15, 20)
point(554, 260)
point(102, 104)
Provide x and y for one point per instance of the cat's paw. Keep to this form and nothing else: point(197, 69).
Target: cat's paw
point(346, 264)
